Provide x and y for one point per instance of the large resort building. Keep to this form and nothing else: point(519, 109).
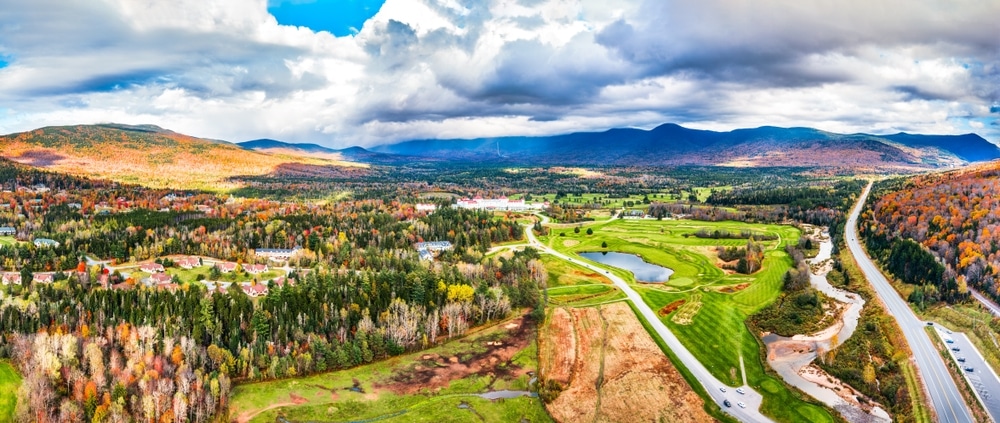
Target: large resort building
point(277, 254)
point(499, 204)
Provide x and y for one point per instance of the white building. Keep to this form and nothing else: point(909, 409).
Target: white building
point(426, 207)
point(277, 254)
point(501, 204)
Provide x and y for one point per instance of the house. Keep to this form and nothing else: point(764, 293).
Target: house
point(254, 290)
point(44, 277)
point(225, 266)
point(11, 278)
point(428, 249)
point(77, 206)
point(159, 279)
point(276, 254)
point(255, 269)
point(152, 268)
point(426, 207)
point(45, 242)
point(425, 255)
point(281, 281)
point(188, 262)
point(7, 231)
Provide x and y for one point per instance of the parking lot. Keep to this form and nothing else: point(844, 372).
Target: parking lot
point(981, 378)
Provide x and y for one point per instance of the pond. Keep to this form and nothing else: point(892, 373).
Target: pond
point(644, 272)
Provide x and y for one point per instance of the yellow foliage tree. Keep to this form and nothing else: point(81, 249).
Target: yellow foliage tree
point(460, 293)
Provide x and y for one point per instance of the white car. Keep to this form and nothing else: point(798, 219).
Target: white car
point(741, 404)
point(741, 391)
point(722, 388)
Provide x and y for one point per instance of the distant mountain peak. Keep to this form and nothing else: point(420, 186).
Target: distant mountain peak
point(673, 144)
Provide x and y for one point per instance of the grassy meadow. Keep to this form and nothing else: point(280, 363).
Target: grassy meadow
point(9, 383)
point(391, 390)
point(716, 303)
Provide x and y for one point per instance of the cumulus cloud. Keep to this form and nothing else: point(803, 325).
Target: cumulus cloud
point(468, 68)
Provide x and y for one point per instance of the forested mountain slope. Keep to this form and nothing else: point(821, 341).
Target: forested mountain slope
point(952, 218)
point(151, 156)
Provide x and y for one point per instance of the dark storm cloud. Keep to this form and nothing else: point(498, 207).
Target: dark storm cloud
point(459, 66)
point(118, 55)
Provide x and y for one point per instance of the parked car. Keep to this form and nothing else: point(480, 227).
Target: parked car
point(950, 341)
point(741, 404)
point(961, 359)
point(727, 403)
point(722, 388)
point(969, 369)
point(741, 391)
point(956, 349)
point(930, 323)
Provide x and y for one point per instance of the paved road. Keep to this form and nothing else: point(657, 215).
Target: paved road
point(986, 302)
point(751, 398)
point(944, 395)
point(981, 377)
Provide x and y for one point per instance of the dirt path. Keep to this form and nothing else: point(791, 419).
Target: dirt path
point(246, 416)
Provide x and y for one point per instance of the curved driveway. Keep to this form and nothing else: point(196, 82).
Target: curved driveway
point(941, 388)
point(752, 399)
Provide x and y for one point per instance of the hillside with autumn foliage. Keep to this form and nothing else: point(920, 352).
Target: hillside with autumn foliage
point(155, 157)
point(939, 231)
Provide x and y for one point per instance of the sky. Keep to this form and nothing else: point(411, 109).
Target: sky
point(366, 72)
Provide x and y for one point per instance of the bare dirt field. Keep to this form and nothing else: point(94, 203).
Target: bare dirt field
point(614, 369)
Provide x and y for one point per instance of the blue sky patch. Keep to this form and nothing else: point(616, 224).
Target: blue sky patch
point(339, 17)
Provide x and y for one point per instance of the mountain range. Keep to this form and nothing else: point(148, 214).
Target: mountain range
point(352, 154)
point(158, 157)
point(672, 144)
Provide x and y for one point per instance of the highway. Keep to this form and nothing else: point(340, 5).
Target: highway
point(942, 391)
point(751, 398)
point(986, 302)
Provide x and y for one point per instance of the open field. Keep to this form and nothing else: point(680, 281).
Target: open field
point(7, 241)
point(437, 384)
point(616, 203)
point(610, 370)
point(191, 275)
point(584, 295)
point(562, 273)
point(9, 382)
point(716, 303)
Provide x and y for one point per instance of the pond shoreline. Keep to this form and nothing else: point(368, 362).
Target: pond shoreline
point(640, 268)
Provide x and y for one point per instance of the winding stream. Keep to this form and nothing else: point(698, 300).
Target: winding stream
point(791, 356)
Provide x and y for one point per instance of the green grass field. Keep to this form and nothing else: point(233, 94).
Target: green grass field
point(7, 241)
point(717, 334)
point(9, 382)
point(584, 295)
point(616, 203)
point(191, 275)
point(324, 397)
point(562, 273)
